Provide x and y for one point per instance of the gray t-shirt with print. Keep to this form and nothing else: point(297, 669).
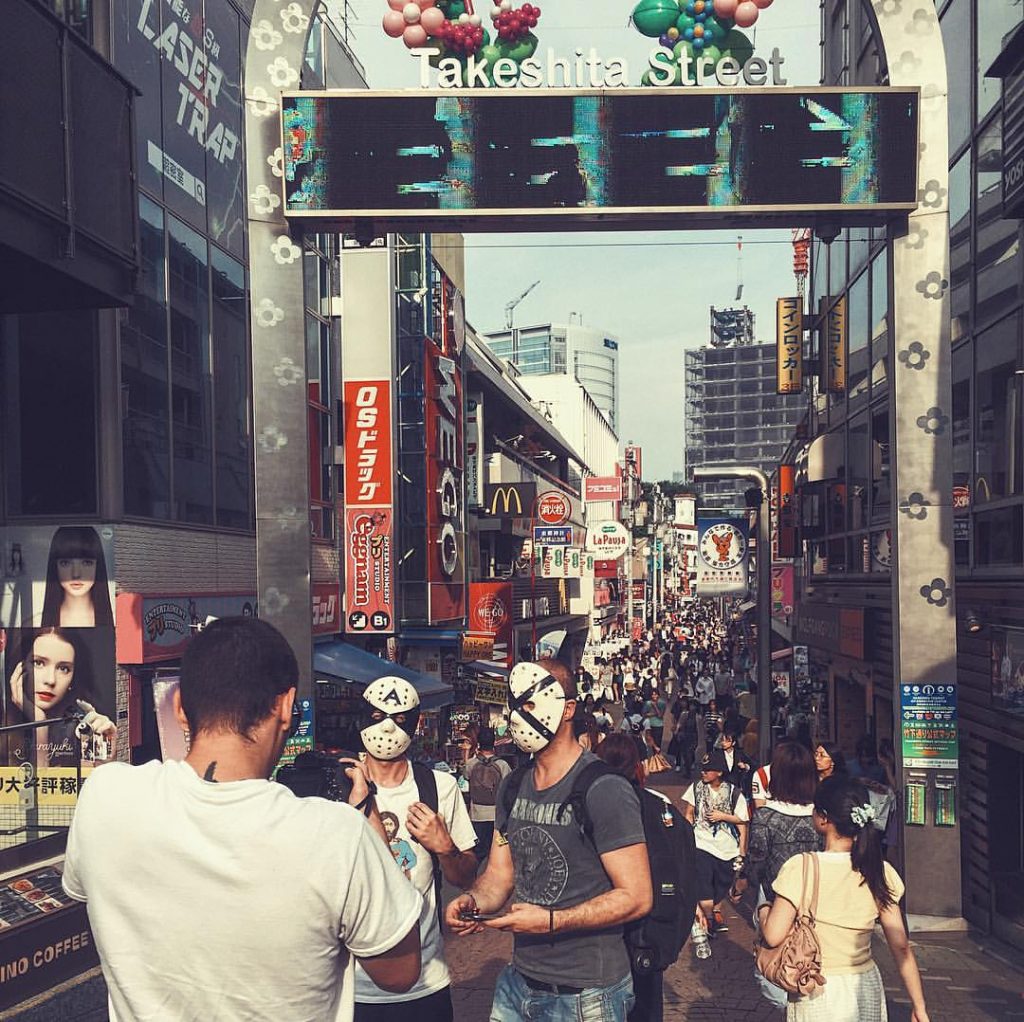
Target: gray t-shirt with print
point(557, 867)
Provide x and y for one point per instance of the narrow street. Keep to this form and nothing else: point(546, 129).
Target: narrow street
point(965, 980)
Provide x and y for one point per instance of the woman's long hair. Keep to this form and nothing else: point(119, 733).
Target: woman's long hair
point(619, 751)
point(836, 800)
point(71, 542)
point(835, 753)
point(81, 681)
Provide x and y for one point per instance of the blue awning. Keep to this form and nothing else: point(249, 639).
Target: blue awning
point(340, 661)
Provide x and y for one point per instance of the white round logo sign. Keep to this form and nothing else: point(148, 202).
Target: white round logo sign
point(723, 546)
point(608, 540)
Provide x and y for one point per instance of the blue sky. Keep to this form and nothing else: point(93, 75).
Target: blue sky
point(651, 289)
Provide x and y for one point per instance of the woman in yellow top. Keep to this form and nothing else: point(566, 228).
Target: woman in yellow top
point(856, 887)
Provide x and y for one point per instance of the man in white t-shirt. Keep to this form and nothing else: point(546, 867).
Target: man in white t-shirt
point(719, 814)
point(430, 834)
point(214, 893)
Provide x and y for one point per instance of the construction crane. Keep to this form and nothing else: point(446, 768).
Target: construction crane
point(510, 307)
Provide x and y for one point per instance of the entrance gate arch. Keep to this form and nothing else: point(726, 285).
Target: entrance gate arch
point(921, 443)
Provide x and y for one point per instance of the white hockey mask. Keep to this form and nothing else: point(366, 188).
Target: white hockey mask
point(391, 711)
point(533, 729)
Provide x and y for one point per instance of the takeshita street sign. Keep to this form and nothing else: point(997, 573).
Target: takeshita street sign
point(465, 159)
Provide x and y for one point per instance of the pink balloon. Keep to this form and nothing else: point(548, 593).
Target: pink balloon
point(726, 8)
point(763, 4)
point(414, 35)
point(397, 5)
point(746, 14)
point(424, 4)
point(432, 19)
point(394, 24)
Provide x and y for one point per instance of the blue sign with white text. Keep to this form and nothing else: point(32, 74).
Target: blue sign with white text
point(552, 535)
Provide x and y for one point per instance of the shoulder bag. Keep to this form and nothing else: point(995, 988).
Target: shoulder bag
point(795, 965)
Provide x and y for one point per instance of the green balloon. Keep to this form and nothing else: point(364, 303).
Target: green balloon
point(654, 17)
point(524, 49)
point(714, 55)
point(490, 54)
point(455, 8)
point(738, 46)
point(685, 21)
point(436, 58)
point(716, 29)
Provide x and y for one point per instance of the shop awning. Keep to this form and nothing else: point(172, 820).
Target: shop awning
point(781, 654)
point(339, 661)
point(487, 667)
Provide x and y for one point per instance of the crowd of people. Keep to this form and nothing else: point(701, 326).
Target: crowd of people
point(254, 903)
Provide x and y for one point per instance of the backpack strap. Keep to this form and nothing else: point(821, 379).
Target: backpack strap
point(734, 797)
point(426, 785)
point(578, 798)
point(510, 793)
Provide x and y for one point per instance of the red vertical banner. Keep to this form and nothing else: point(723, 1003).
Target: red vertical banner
point(369, 507)
point(490, 611)
point(787, 518)
point(446, 528)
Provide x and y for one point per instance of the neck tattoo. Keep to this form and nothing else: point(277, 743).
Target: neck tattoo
point(208, 776)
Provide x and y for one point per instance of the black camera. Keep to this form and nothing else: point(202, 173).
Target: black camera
point(313, 773)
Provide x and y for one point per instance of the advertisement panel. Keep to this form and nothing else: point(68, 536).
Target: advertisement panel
point(789, 346)
point(474, 449)
point(782, 590)
point(169, 622)
point(786, 512)
point(635, 461)
point(929, 726)
point(835, 348)
point(490, 612)
point(446, 529)
point(326, 608)
point(722, 556)
point(1008, 671)
point(552, 535)
point(553, 508)
point(369, 507)
point(609, 540)
point(600, 488)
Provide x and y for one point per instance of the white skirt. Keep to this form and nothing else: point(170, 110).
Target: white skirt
point(849, 997)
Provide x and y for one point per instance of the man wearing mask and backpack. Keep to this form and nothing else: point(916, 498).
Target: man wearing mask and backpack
point(574, 861)
point(430, 835)
point(484, 772)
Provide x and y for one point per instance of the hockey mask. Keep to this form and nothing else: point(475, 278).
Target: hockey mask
point(536, 702)
point(391, 711)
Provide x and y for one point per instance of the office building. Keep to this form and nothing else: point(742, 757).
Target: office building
point(592, 356)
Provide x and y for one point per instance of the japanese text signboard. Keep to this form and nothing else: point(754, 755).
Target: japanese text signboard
point(721, 556)
point(369, 508)
point(929, 726)
point(835, 348)
point(789, 345)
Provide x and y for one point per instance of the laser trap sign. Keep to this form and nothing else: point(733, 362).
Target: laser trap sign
point(474, 159)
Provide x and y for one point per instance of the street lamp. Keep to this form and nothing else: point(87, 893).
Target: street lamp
point(764, 586)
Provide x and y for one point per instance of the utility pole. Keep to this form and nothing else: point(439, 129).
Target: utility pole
point(764, 588)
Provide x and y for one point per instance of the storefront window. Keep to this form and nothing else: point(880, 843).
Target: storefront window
point(997, 250)
point(997, 412)
point(960, 246)
point(859, 480)
point(956, 37)
point(962, 447)
point(879, 324)
point(233, 438)
point(998, 539)
point(880, 465)
point(147, 480)
point(837, 265)
point(858, 351)
point(191, 373)
point(993, 22)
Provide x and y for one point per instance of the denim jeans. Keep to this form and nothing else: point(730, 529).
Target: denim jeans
point(515, 1001)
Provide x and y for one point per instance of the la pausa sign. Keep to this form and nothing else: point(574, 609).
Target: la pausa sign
point(666, 66)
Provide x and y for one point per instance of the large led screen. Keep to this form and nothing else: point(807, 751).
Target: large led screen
point(466, 156)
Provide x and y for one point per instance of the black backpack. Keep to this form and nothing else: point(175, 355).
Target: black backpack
point(655, 941)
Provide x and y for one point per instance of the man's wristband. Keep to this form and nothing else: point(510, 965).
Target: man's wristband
point(366, 806)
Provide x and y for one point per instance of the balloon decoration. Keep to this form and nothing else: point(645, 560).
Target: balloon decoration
point(454, 28)
point(702, 28)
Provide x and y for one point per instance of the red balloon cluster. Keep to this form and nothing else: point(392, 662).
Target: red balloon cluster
point(514, 25)
point(460, 37)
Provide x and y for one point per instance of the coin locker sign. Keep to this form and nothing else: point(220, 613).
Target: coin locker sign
point(789, 345)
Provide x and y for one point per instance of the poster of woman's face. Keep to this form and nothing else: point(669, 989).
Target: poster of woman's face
point(57, 577)
point(61, 679)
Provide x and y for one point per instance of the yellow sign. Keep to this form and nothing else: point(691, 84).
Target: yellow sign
point(510, 500)
point(46, 787)
point(491, 691)
point(789, 345)
point(476, 647)
point(835, 348)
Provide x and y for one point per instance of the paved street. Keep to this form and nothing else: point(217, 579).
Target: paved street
point(965, 980)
